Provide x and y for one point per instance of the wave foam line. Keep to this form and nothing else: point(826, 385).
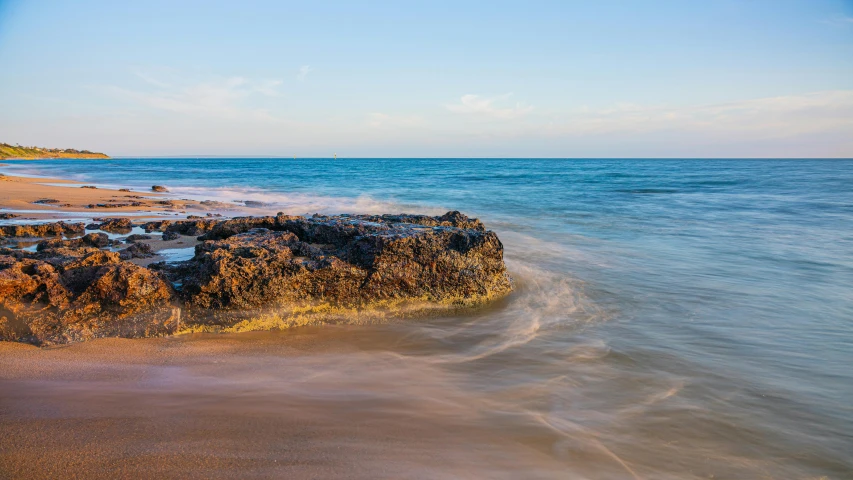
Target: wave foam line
point(303, 203)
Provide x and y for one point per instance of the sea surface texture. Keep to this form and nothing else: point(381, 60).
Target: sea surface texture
point(673, 319)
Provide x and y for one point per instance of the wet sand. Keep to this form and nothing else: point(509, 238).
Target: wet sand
point(312, 403)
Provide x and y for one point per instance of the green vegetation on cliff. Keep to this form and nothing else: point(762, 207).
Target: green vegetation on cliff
point(32, 153)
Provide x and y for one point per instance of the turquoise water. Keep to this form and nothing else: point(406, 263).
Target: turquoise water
point(693, 317)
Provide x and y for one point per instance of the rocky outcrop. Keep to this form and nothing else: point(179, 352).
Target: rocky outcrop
point(137, 237)
point(159, 188)
point(183, 227)
point(116, 225)
point(213, 229)
point(63, 295)
point(337, 264)
point(449, 219)
point(252, 273)
point(96, 240)
point(53, 229)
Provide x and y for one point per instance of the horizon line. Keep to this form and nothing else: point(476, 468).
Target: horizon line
point(117, 157)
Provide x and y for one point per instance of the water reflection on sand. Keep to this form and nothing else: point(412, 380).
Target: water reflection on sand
point(530, 387)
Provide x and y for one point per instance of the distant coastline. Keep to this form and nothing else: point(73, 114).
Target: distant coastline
point(8, 152)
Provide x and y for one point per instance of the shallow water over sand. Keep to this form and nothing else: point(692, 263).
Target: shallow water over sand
point(673, 320)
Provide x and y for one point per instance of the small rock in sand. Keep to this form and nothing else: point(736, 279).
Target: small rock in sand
point(137, 237)
point(137, 250)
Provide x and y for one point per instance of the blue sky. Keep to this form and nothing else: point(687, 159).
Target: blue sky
point(535, 78)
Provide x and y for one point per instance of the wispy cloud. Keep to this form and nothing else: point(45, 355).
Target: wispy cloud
point(150, 79)
point(839, 20)
point(213, 98)
point(267, 87)
point(489, 106)
point(776, 116)
point(304, 70)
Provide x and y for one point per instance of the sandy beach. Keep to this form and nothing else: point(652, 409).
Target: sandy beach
point(260, 405)
point(41, 198)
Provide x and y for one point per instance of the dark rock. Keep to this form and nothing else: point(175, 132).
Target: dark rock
point(8, 216)
point(183, 227)
point(137, 237)
point(98, 240)
point(137, 250)
point(53, 229)
point(449, 219)
point(93, 226)
point(89, 186)
point(62, 295)
point(156, 226)
point(124, 190)
point(115, 205)
point(171, 236)
point(116, 225)
point(254, 204)
point(159, 188)
point(341, 262)
point(219, 229)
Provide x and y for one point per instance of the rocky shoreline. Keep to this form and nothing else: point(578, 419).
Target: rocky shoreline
point(248, 273)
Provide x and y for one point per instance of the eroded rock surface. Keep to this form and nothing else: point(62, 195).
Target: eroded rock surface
point(53, 229)
point(136, 238)
point(116, 225)
point(136, 250)
point(252, 273)
point(97, 240)
point(63, 295)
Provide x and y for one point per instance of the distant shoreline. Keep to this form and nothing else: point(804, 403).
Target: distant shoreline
point(16, 152)
point(66, 157)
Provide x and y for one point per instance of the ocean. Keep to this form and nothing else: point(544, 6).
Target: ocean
point(673, 319)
